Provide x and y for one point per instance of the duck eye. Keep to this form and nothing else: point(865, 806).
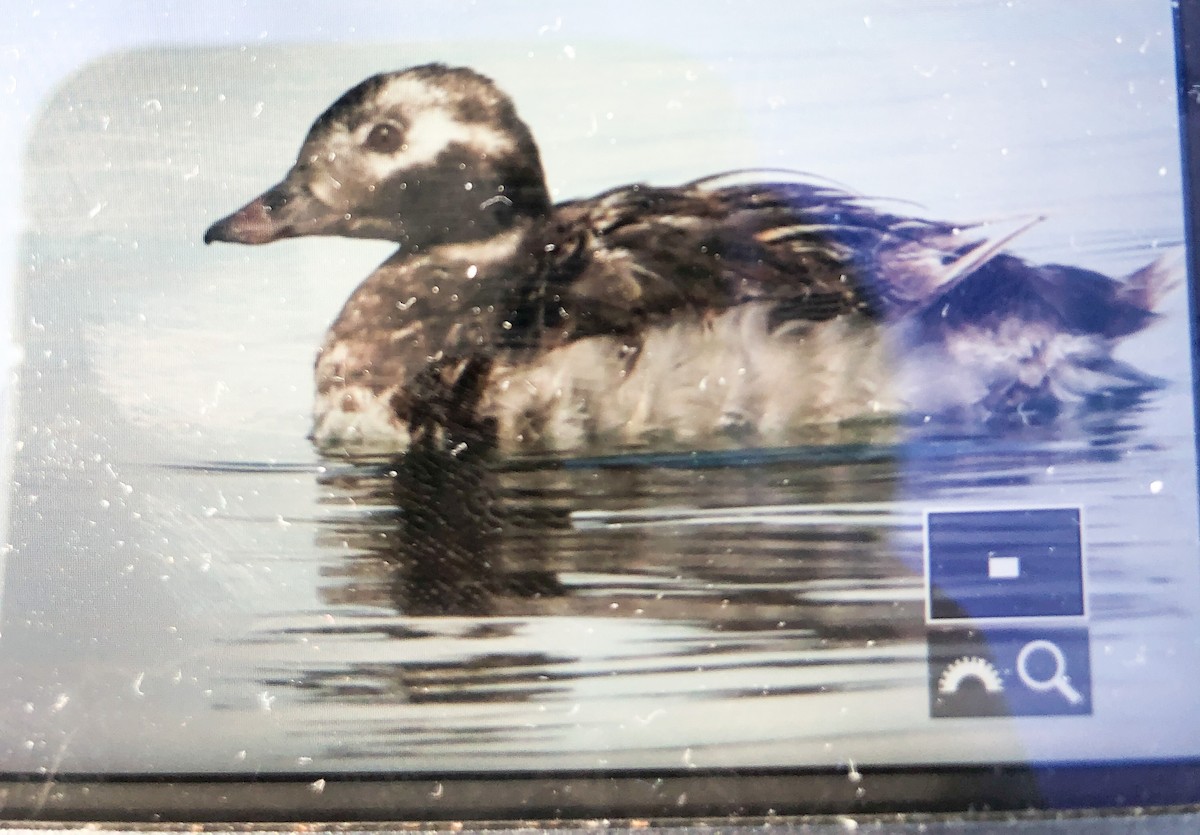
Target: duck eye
point(384, 138)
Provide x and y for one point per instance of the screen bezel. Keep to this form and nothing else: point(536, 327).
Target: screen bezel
point(629, 795)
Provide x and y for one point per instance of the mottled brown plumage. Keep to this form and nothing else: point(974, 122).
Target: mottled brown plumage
point(753, 303)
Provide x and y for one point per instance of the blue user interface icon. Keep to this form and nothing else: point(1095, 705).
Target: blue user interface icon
point(1010, 672)
point(1004, 564)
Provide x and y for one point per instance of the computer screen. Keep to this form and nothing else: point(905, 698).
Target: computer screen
point(440, 396)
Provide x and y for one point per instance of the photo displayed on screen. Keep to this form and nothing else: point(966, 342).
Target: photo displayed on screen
point(810, 390)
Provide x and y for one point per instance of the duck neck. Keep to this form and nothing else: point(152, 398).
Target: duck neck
point(460, 292)
point(499, 196)
point(523, 189)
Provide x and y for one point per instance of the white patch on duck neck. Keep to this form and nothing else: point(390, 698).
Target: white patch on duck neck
point(480, 253)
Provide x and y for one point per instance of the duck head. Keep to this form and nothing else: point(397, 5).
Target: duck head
point(424, 156)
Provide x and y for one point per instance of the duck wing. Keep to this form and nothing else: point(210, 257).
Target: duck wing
point(899, 262)
point(639, 254)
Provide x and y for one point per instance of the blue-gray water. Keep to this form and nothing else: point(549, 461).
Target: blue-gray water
point(190, 588)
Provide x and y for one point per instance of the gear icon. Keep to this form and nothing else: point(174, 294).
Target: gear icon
point(970, 666)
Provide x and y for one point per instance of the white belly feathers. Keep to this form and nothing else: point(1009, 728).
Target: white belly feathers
point(689, 380)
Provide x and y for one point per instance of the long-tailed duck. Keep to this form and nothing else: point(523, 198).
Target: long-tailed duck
point(750, 305)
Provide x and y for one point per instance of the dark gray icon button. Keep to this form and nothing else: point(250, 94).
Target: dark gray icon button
point(1004, 564)
point(1009, 672)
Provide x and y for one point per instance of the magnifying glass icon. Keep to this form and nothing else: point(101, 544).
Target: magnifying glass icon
point(1058, 677)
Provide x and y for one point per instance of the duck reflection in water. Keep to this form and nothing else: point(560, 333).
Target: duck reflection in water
point(448, 530)
point(438, 524)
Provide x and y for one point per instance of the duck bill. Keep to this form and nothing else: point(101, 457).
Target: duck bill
point(281, 212)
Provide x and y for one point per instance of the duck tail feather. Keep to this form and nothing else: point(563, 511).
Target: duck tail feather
point(752, 176)
point(1147, 286)
point(983, 251)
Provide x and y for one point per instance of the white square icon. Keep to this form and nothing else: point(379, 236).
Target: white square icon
point(1004, 568)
